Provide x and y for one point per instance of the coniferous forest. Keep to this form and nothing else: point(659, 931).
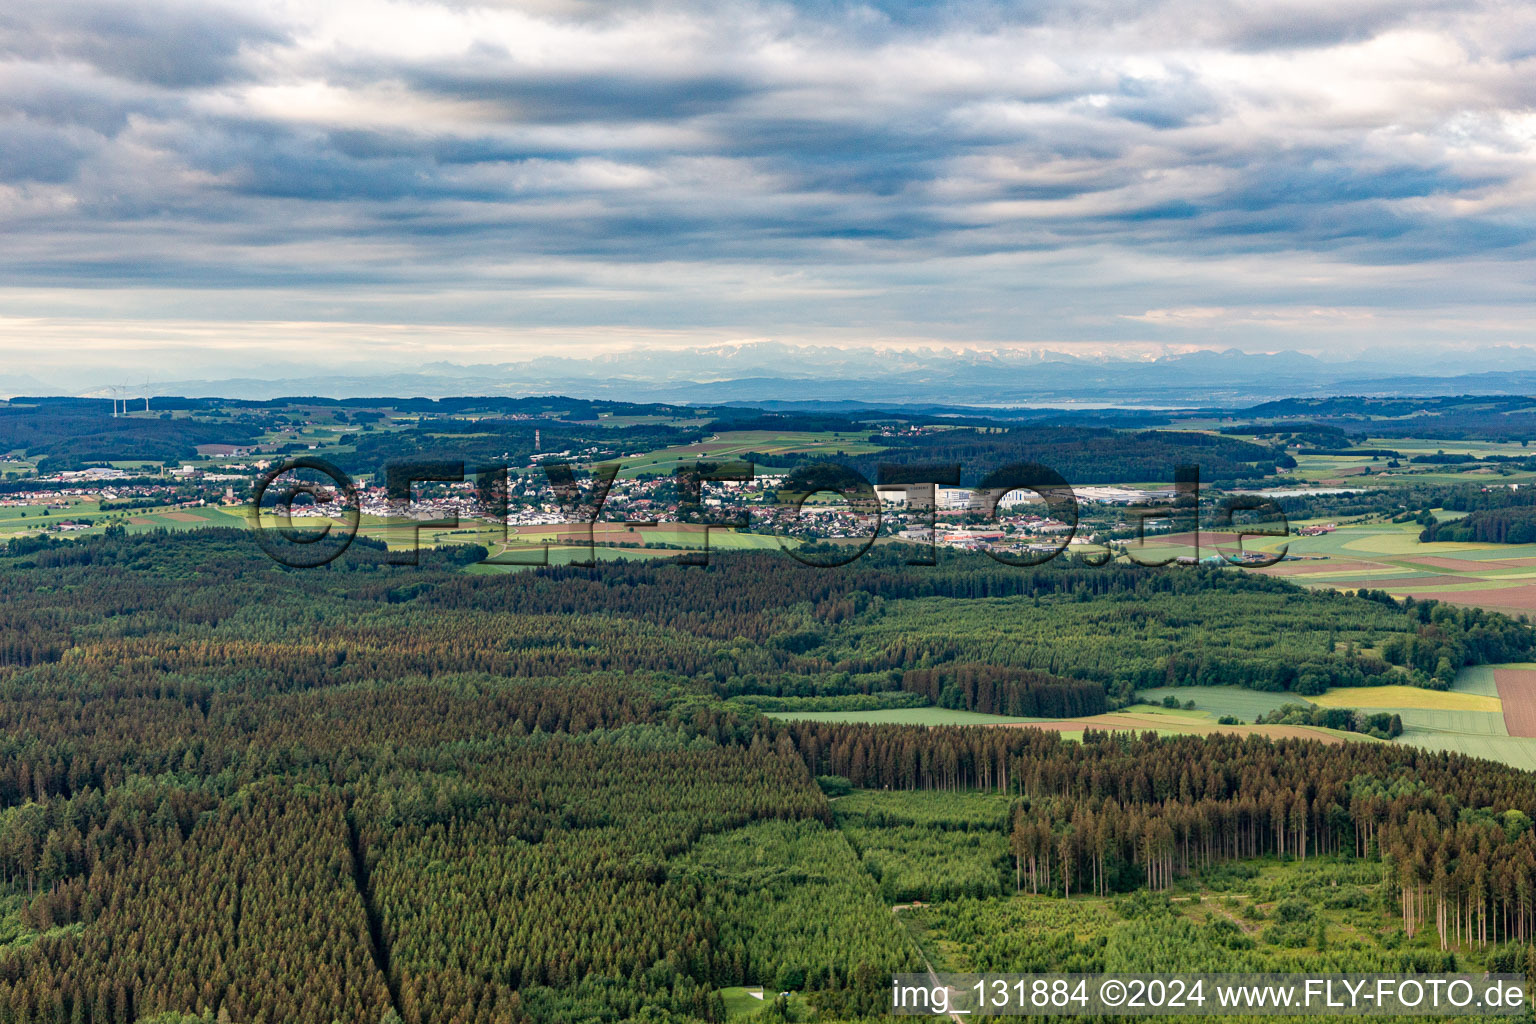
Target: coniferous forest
point(767, 512)
point(370, 792)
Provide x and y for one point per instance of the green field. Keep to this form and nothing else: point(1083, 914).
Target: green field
point(1397, 698)
point(521, 547)
point(1464, 719)
point(1364, 470)
point(1411, 446)
point(741, 1004)
point(721, 539)
point(1137, 718)
point(906, 716)
point(1390, 557)
point(184, 519)
point(1379, 555)
point(1448, 721)
point(1475, 724)
point(16, 519)
point(1217, 701)
point(562, 556)
point(1479, 678)
point(34, 519)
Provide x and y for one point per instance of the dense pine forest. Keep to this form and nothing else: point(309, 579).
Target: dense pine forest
point(370, 792)
point(1081, 454)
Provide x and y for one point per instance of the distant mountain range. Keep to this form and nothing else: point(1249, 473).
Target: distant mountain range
point(772, 373)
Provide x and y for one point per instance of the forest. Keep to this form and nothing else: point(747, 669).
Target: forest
point(85, 434)
point(372, 792)
point(486, 442)
point(1080, 454)
point(1515, 524)
point(1459, 418)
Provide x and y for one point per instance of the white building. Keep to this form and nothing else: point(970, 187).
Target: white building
point(956, 499)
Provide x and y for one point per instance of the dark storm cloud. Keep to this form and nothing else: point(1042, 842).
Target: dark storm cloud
point(380, 145)
point(57, 97)
point(262, 159)
point(1176, 102)
point(38, 152)
point(1325, 182)
point(172, 43)
point(552, 97)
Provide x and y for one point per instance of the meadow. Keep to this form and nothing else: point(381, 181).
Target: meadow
point(1467, 719)
point(1245, 705)
point(17, 521)
point(1398, 698)
point(1137, 718)
point(1390, 557)
point(516, 548)
point(906, 716)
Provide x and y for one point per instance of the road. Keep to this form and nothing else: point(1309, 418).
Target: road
point(933, 977)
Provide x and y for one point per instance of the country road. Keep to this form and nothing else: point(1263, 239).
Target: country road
point(933, 977)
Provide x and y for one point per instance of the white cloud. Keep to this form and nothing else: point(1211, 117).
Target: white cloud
point(1312, 174)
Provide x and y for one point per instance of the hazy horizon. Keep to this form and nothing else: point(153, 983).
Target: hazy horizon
point(767, 373)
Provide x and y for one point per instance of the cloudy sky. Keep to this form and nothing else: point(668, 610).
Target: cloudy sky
point(194, 185)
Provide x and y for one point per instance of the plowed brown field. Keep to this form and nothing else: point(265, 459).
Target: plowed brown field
point(1517, 689)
